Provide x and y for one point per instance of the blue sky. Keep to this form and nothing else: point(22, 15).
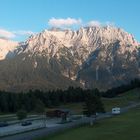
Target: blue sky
point(20, 18)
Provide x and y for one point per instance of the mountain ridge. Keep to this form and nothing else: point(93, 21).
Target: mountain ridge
point(89, 57)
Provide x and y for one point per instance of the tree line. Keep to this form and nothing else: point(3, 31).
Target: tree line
point(35, 101)
point(113, 92)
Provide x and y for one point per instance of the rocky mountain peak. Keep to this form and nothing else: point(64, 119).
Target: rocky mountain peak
point(91, 56)
point(89, 38)
point(107, 32)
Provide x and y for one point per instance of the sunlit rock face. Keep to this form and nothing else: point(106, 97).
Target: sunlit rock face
point(6, 46)
point(90, 57)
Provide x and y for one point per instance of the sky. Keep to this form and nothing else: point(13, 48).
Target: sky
point(21, 18)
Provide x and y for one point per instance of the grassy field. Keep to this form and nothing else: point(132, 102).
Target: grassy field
point(123, 127)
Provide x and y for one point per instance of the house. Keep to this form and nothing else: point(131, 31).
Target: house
point(58, 113)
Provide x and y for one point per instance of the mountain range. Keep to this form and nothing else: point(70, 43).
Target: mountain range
point(91, 57)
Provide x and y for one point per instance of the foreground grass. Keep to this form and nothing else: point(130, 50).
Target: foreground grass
point(123, 127)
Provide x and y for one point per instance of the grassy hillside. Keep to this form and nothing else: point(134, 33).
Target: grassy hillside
point(124, 99)
point(123, 127)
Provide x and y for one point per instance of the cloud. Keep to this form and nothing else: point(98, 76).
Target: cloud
point(23, 32)
point(64, 22)
point(14, 34)
point(110, 23)
point(7, 34)
point(98, 23)
point(94, 23)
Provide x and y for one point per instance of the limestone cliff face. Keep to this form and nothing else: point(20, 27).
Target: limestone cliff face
point(99, 57)
point(6, 46)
